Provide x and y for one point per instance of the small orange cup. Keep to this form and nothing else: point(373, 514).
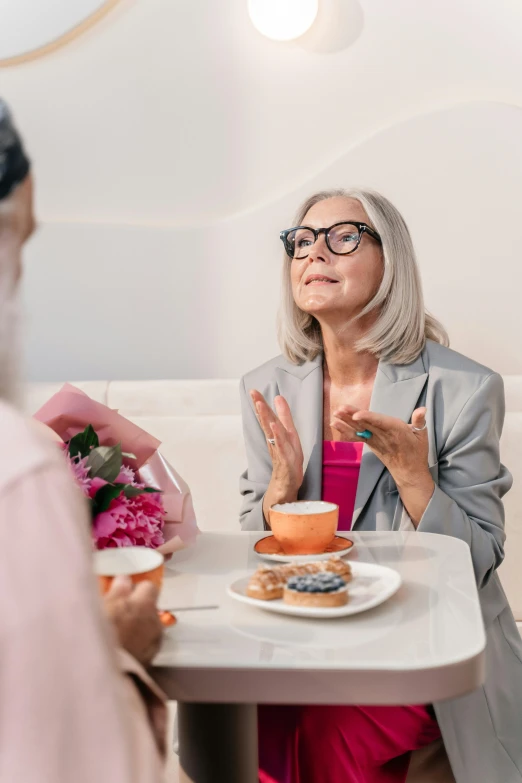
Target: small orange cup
point(305, 527)
point(137, 562)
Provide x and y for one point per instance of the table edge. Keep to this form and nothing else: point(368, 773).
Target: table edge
point(322, 686)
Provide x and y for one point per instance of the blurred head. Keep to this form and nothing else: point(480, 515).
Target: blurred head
point(362, 272)
point(16, 226)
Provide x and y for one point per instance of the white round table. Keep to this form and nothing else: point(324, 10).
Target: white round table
point(425, 644)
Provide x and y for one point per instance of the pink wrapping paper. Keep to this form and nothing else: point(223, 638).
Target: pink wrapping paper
point(70, 410)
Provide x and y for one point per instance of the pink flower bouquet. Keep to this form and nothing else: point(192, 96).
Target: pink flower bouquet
point(124, 511)
point(136, 497)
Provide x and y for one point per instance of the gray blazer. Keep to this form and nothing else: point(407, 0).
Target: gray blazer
point(482, 732)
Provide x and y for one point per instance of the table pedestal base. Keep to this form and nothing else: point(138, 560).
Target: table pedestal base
point(218, 742)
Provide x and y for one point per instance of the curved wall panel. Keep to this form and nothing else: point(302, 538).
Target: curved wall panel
point(32, 27)
point(201, 301)
point(172, 142)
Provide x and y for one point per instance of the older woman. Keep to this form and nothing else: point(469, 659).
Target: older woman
point(370, 409)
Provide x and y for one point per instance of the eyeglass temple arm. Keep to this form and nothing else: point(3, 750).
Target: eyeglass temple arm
point(371, 232)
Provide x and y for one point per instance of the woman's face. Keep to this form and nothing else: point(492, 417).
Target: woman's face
point(328, 285)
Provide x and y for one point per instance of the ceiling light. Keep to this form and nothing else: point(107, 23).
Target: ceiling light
point(283, 20)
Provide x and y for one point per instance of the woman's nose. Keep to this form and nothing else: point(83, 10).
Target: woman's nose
point(319, 250)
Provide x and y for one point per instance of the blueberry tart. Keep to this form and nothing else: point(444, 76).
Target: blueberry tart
point(322, 589)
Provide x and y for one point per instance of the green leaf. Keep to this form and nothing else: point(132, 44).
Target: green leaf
point(132, 492)
point(104, 496)
point(83, 443)
point(105, 462)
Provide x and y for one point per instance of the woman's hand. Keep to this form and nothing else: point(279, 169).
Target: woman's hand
point(133, 612)
point(286, 452)
point(400, 447)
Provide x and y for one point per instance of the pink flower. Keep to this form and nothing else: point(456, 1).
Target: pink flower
point(80, 472)
point(96, 484)
point(126, 476)
point(136, 521)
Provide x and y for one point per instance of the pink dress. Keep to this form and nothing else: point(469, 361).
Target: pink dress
point(338, 744)
point(341, 465)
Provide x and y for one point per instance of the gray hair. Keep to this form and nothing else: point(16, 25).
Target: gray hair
point(399, 334)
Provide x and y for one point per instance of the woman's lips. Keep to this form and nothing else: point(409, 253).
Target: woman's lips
point(320, 282)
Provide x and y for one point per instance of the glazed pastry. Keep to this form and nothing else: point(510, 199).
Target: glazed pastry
point(323, 589)
point(265, 585)
point(268, 584)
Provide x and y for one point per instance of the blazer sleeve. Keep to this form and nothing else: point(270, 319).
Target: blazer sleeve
point(467, 503)
point(253, 483)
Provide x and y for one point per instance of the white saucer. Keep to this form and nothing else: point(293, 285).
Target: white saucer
point(370, 586)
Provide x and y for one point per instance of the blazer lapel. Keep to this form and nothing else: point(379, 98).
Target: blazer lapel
point(302, 387)
point(396, 391)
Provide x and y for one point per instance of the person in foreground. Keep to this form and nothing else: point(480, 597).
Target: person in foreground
point(368, 408)
point(74, 706)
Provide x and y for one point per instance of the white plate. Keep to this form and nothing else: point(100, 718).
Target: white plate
point(371, 585)
point(306, 558)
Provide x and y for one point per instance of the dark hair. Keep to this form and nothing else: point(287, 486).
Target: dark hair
point(14, 163)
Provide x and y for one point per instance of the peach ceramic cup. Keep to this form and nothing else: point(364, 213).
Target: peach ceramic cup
point(305, 527)
point(137, 562)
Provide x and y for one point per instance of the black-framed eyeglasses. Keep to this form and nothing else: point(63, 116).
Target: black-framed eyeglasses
point(341, 238)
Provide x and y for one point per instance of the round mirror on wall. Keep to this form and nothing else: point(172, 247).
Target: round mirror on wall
point(29, 27)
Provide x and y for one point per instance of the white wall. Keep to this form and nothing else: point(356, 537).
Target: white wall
point(170, 149)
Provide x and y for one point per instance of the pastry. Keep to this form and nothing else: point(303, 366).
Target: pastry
point(267, 584)
point(323, 589)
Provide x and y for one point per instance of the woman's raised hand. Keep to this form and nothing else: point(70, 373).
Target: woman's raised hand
point(284, 447)
point(402, 448)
